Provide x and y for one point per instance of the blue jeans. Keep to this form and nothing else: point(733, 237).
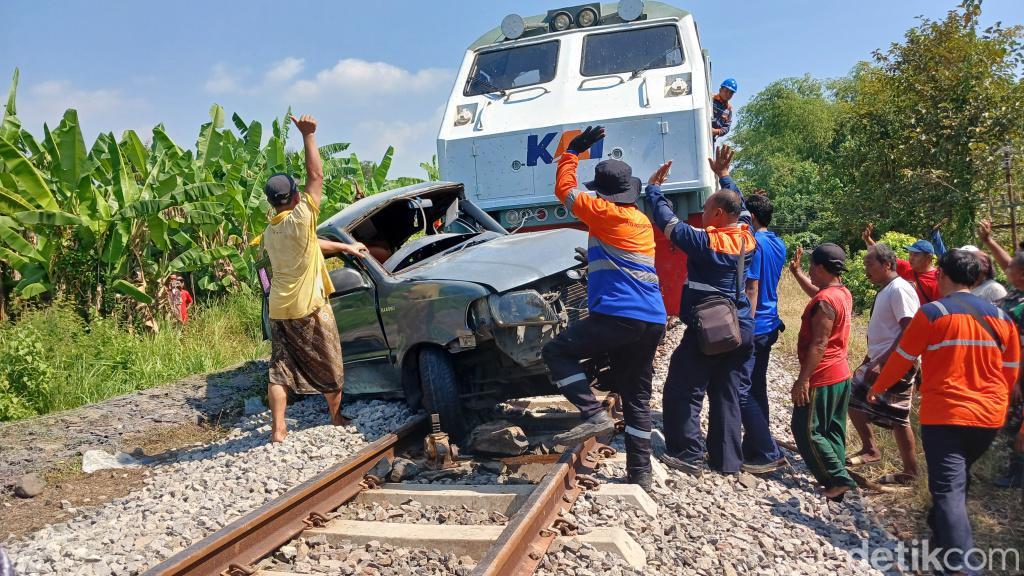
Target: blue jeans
point(759, 446)
point(950, 452)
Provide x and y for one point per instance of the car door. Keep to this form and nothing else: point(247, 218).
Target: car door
point(367, 356)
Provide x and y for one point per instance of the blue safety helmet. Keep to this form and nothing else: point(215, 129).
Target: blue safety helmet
point(730, 83)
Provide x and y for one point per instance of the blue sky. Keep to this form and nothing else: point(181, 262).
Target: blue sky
point(374, 73)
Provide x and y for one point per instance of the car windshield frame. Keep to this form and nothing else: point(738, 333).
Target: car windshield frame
point(474, 87)
point(646, 64)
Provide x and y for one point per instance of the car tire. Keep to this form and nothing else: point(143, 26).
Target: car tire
point(441, 390)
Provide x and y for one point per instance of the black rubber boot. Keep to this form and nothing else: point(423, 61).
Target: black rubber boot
point(643, 479)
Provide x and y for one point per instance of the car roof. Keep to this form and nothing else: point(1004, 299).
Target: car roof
point(364, 207)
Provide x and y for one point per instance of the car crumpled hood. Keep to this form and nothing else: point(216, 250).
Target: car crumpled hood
point(509, 261)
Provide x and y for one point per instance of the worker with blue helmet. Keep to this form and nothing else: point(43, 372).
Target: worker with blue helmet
point(722, 118)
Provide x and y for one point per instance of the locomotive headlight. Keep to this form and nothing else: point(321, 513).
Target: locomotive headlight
point(677, 85)
point(586, 17)
point(465, 114)
point(561, 21)
point(630, 10)
point(513, 26)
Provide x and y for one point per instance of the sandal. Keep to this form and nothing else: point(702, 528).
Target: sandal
point(859, 460)
point(899, 479)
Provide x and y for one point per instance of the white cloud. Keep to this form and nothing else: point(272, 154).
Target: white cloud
point(99, 110)
point(354, 76)
point(284, 70)
point(222, 80)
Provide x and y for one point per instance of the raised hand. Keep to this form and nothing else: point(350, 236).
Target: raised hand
point(798, 256)
point(586, 139)
point(984, 230)
point(720, 163)
point(865, 235)
point(306, 124)
point(660, 174)
point(940, 224)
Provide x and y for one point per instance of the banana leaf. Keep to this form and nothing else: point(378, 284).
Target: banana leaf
point(11, 126)
point(134, 151)
point(145, 208)
point(239, 123)
point(47, 218)
point(197, 258)
point(13, 239)
point(74, 162)
point(122, 286)
point(30, 181)
point(11, 202)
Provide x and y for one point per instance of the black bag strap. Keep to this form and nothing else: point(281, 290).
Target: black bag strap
point(980, 318)
point(741, 268)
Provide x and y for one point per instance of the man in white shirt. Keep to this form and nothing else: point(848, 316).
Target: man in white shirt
point(894, 306)
point(988, 288)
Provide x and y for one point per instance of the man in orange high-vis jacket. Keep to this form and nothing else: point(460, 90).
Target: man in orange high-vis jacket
point(970, 356)
point(627, 314)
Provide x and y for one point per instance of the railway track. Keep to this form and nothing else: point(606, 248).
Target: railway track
point(528, 518)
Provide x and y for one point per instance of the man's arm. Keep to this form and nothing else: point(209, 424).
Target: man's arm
point(751, 290)
point(720, 165)
point(801, 278)
point(314, 166)
point(865, 234)
point(331, 248)
point(1002, 257)
point(940, 246)
point(1011, 357)
point(821, 328)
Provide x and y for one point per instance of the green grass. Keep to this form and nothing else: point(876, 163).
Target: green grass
point(50, 359)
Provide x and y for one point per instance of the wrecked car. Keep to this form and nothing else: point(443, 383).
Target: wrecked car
point(450, 307)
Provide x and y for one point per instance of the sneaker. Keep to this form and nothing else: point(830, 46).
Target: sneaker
point(644, 480)
point(599, 423)
point(682, 465)
point(766, 468)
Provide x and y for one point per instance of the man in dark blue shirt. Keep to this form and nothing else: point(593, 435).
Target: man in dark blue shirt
point(722, 109)
point(711, 272)
point(760, 452)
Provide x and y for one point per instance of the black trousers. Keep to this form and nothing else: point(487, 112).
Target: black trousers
point(630, 345)
point(951, 451)
point(692, 375)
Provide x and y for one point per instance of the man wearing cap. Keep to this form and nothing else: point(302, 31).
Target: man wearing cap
point(305, 349)
point(714, 256)
point(919, 270)
point(627, 315)
point(822, 390)
point(722, 110)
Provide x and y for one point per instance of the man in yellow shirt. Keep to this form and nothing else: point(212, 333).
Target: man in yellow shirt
point(306, 349)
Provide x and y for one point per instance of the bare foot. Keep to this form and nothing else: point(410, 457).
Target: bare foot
point(835, 493)
point(278, 436)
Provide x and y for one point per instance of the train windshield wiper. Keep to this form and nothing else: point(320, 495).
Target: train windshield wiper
point(477, 79)
point(636, 73)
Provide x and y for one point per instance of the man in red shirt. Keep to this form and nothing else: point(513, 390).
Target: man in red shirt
point(919, 270)
point(970, 356)
point(180, 298)
point(822, 391)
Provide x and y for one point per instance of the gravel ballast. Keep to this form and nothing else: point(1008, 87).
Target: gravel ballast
point(203, 490)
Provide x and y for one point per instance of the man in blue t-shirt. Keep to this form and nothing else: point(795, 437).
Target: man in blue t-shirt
point(760, 452)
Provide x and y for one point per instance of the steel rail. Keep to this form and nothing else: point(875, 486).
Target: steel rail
point(529, 533)
point(233, 549)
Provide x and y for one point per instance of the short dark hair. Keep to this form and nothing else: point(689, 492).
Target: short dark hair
point(883, 254)
point(987, 270)
point(727, 200)
point(761, 208)
point(960, 266)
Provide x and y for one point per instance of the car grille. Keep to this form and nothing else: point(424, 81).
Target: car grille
point(574, 299)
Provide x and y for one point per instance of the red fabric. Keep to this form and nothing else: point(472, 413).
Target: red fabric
point(927, 284)
point(833, 367)
point(186, 300)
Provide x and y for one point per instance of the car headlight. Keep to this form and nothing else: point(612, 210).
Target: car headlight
point(521, 308)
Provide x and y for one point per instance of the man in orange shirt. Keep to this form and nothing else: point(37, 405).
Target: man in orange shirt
point(627, 313)
point(970, 356)
point(821, 393)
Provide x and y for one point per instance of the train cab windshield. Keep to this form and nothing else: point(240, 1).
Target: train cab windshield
point(516, 67)
point(631, 50)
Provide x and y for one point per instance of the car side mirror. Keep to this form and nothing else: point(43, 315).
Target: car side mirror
point(347, 280)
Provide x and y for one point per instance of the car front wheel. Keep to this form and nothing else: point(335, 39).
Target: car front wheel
point(441, 390)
